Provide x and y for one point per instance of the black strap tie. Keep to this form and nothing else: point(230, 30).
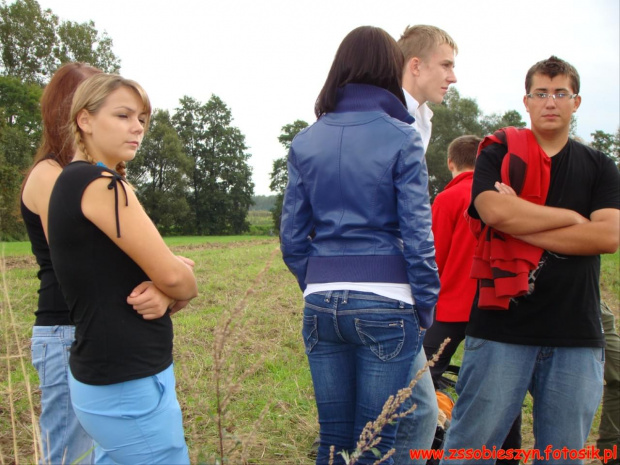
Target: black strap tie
point(115, 180)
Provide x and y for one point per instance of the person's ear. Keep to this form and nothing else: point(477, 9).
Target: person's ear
point(577, 103)
point(414, 66)
point(83, 120)
point(525, 102)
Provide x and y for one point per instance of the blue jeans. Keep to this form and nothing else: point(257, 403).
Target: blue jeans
point(417, 430)
point(134, 422)
point(566, 384)
point(360, 348)
point(63, 438)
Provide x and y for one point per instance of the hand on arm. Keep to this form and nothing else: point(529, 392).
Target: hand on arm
point(139, 238)
point(598, 235)
point(152, 303)
point(149, 301)
point(513, 215)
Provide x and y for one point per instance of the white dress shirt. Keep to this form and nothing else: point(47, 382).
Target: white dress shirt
point(422, 114)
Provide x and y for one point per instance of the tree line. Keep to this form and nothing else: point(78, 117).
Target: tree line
point(191, 173)
point(455, 116)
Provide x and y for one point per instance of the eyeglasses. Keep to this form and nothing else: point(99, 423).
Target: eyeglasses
point(544, 96)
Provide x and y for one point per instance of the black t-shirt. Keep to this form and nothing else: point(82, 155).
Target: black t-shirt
point(563, 309)
point(113, 343)
point(51, 308)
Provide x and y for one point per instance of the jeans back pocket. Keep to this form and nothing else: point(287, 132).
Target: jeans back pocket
point(310, 332)
point(384, 338)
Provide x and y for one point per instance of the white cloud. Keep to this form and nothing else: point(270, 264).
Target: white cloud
point(268, 60)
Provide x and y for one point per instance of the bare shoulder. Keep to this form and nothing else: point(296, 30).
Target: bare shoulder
point(39, 185)
point(103, 188)
point(101, 197)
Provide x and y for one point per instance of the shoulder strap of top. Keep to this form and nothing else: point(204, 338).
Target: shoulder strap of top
point(115, 180)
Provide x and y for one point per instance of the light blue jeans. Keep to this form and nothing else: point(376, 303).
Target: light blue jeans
point(134, 422)
point(64, 441)
point(417, 430)
point(566, 384)
point(360, 347)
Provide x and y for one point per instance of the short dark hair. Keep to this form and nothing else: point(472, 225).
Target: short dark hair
point(552, 67)
point(367, 55)
point(462, 152)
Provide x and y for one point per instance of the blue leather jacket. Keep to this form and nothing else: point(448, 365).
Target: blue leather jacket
point(356, 207)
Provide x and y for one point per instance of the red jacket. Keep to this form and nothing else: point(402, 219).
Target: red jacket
point(502, 263)
point(454, 250)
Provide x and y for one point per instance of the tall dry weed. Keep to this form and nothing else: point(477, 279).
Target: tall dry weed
point(14, 357)
point(371, 434)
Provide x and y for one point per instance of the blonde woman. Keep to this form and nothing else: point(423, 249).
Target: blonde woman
point(103, 246)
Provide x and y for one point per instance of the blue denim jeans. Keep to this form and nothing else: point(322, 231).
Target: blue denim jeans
point(63, 438)
point(360, 348)
point(417, 430)
point(134, 422)
point(566, 384)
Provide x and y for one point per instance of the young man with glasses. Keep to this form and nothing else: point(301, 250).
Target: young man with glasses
point(549, 208)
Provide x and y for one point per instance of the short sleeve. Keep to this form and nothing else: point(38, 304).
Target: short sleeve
point(487, 172)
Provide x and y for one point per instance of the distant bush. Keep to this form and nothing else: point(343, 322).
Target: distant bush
point(263, 202)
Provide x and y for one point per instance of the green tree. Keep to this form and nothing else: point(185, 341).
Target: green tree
point(495, 121)
point(607, 143)
point(20, 131)
point(20, 135)
point(82, 42)
point(454, 117)
point(279, 173)
point(457, 116)
point(221, 189)
point(159, 174)
point(34, 42)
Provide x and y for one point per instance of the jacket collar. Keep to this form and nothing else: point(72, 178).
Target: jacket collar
point(364, 97)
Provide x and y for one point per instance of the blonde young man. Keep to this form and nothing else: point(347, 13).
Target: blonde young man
point(429, 70)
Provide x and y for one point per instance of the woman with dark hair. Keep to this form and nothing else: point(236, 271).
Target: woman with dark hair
point(62, 438)
point(356, 233)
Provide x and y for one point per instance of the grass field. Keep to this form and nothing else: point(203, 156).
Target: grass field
point(266, 406)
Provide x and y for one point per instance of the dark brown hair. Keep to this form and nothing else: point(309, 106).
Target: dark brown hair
point(57, 139)
point(552, 67)
point(367, 55)
point(462, 152)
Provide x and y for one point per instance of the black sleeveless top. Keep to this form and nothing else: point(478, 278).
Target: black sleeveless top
point(51, 308)
point(113, 343)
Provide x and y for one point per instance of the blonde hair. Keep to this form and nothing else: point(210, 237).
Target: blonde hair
point(420, 41)
point(91, 95)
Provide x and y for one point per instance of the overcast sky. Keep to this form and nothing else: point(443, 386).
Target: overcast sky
point(267, 60)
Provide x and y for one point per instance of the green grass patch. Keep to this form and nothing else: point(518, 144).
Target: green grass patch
point(14, 249)
point(270, 416)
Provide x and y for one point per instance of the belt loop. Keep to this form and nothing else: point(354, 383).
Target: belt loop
point(345, 296)
point(328, 296)
point(401, 304)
